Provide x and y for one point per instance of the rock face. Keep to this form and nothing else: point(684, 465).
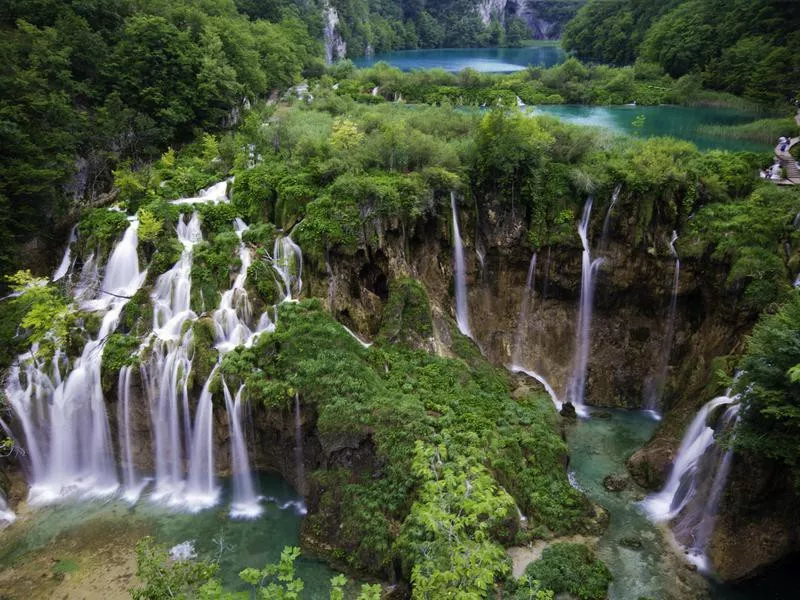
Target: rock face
point(335, 46)
point(758, 521)
point(615, 483)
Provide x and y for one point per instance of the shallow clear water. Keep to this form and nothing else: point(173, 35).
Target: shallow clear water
point(236, 544)
point(681, 122)
point(599, 447)
point(484, 60)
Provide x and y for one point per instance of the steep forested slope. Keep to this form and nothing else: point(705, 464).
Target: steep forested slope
point(746, 47)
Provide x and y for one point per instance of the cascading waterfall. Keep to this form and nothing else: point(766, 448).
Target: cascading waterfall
point(462, 310)
point(577, 384)
point(656, 391)
point(67, 261)
point(167, 372)
point(64, 420)
point(522, 323)
point(7, 516)
point(691, 496)
point(245, 501)
point(201, 489)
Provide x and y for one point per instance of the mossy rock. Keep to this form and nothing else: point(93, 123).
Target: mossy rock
point(263, 235)
point(407, 314)
point(167, 252)
point(263, 284)
point(137, 313)
point(204, 355)
point(99, 229)
point(120, 351)
point(213, 264)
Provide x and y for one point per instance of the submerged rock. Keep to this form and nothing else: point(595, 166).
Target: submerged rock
point(630, 542)
point(615, 483)
point(568, 411)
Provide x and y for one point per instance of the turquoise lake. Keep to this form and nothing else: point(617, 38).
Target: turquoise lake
point(484, 60)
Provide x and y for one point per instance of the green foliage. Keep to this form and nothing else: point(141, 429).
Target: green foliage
point(410, 403)
point(407, 314)
point(163, 579)
point(100, 228)
point(770, 392)
point(749, 235)
point(736, 46)
point(571, 568)
point(119, 351)
point(149, 225)
point(212, 265)
point(46, 315)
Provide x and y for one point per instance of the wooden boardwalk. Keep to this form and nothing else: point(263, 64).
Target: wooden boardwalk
point(789, 162)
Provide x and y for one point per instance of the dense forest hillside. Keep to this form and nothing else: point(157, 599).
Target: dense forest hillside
point(745, 47)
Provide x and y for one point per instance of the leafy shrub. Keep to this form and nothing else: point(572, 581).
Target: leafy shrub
point(571, 568)
point(119, 351)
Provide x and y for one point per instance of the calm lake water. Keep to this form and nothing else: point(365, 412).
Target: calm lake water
point(484, 60)
point(676, 121)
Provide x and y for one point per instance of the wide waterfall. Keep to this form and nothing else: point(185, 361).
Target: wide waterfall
point(60, 406)
point(63, 416)
point(577, 383)
point(656, 388)
point(462, 310)
point(690, 498)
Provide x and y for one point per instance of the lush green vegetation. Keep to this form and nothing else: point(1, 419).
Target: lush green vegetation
point(744, 47)
point(770, 388)
point(766, 131)
point(454, 452)
point(571, 568)
point(88, 86)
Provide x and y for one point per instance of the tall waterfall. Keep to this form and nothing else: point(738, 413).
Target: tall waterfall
point(691, 496)
point(64, 420)
point(656, 391)
point(462, 310)
point(288, 261)
point(298, 446)
point(133, 486)
point(577, 384)
point(201, 488)
point(245, 501)
point(522, 323)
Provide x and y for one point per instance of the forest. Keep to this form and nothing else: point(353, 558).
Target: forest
point(288, 234)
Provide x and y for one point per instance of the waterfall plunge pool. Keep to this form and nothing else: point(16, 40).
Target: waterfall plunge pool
point(94, 543)
point(599, 447)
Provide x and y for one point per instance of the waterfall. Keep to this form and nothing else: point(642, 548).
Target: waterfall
point(462, 311)
point(288, 261)
point(245, 501)
point(520, 103)
point(548, 388)
point(64, 420)
point(132, 486)
point(522, 324)
point(691, 496)
point(653, 399)
point(298, 447)
point(212, 195)
point(66, 261)
point(7, 516)
point(607, 220)
point(682, 482)
point(201, 489)
point(335, 46)
point(166, 374)
point(374, 91)
point(577, 385)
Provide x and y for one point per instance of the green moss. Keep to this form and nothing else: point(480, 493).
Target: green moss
point(216, 218)
point(262, 283)
point(136, 317)
point(571, 568)
point(396, 398)
point(407, 314)
point(204, 355)
point(263, 235)
point(100, 228)
point(120, 351)
point(167, 253)
point(212, 265)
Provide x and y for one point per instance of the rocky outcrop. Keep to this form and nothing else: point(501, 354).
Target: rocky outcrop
point(335, 46)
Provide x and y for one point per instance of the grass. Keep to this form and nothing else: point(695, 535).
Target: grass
point(64, 566)
point(762, 131)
